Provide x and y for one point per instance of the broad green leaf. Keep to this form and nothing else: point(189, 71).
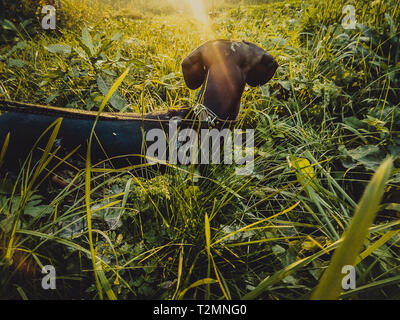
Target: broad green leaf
point(87, 40)
point(16, 63)
point(115, 100)
point(59, 48)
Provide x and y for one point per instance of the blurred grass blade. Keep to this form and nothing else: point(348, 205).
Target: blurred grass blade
point(180, 265)
point(220, 281)
point(104, 282)
point(208, 242)
point(286, 271)
point(371, 286)
point(22, 293)
point(382, 240)
point(211, 259)
point(231, 234)
point(329, 286)
point(47, 156)
point(4, 149)
point(201, 282)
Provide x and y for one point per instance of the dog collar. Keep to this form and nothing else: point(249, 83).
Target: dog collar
point(204, 113)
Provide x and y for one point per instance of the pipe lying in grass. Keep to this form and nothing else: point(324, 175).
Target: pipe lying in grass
point(120, 137)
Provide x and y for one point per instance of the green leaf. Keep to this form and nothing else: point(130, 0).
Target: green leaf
point(87, 40)
point(285, 84)
point(117, 36)
point(59, 48)
point(354, 122)
point(8, 25)
point(168, 77)
point(115, 100)
point(16, 63)
point(369, 156)
point(34, 209)
point(265, 91)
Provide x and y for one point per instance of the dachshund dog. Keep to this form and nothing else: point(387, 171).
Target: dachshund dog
point(221, 67)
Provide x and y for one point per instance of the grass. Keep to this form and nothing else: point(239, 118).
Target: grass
point(353, 239)
point(323, 126)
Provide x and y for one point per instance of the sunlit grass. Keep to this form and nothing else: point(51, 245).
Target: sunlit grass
point(175, 236)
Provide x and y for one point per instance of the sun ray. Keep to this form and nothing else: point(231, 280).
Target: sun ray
point(199, 11)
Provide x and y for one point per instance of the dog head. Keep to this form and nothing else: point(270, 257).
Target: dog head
point(257, 65)
point(226, 66)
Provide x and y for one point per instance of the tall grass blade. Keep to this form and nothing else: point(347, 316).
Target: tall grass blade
point(286, 271)
point(44, 160)
point(208, 244)
point(329, 287)
point(372, 286)
point(88, 178)
point(201, 282)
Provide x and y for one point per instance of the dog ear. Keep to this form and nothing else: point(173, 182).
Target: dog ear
point(193, 69)
point(263, 71)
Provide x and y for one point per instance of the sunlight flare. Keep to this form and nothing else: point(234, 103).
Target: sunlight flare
point(199, 11)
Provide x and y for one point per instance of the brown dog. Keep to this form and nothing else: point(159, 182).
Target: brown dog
point(223, 68)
